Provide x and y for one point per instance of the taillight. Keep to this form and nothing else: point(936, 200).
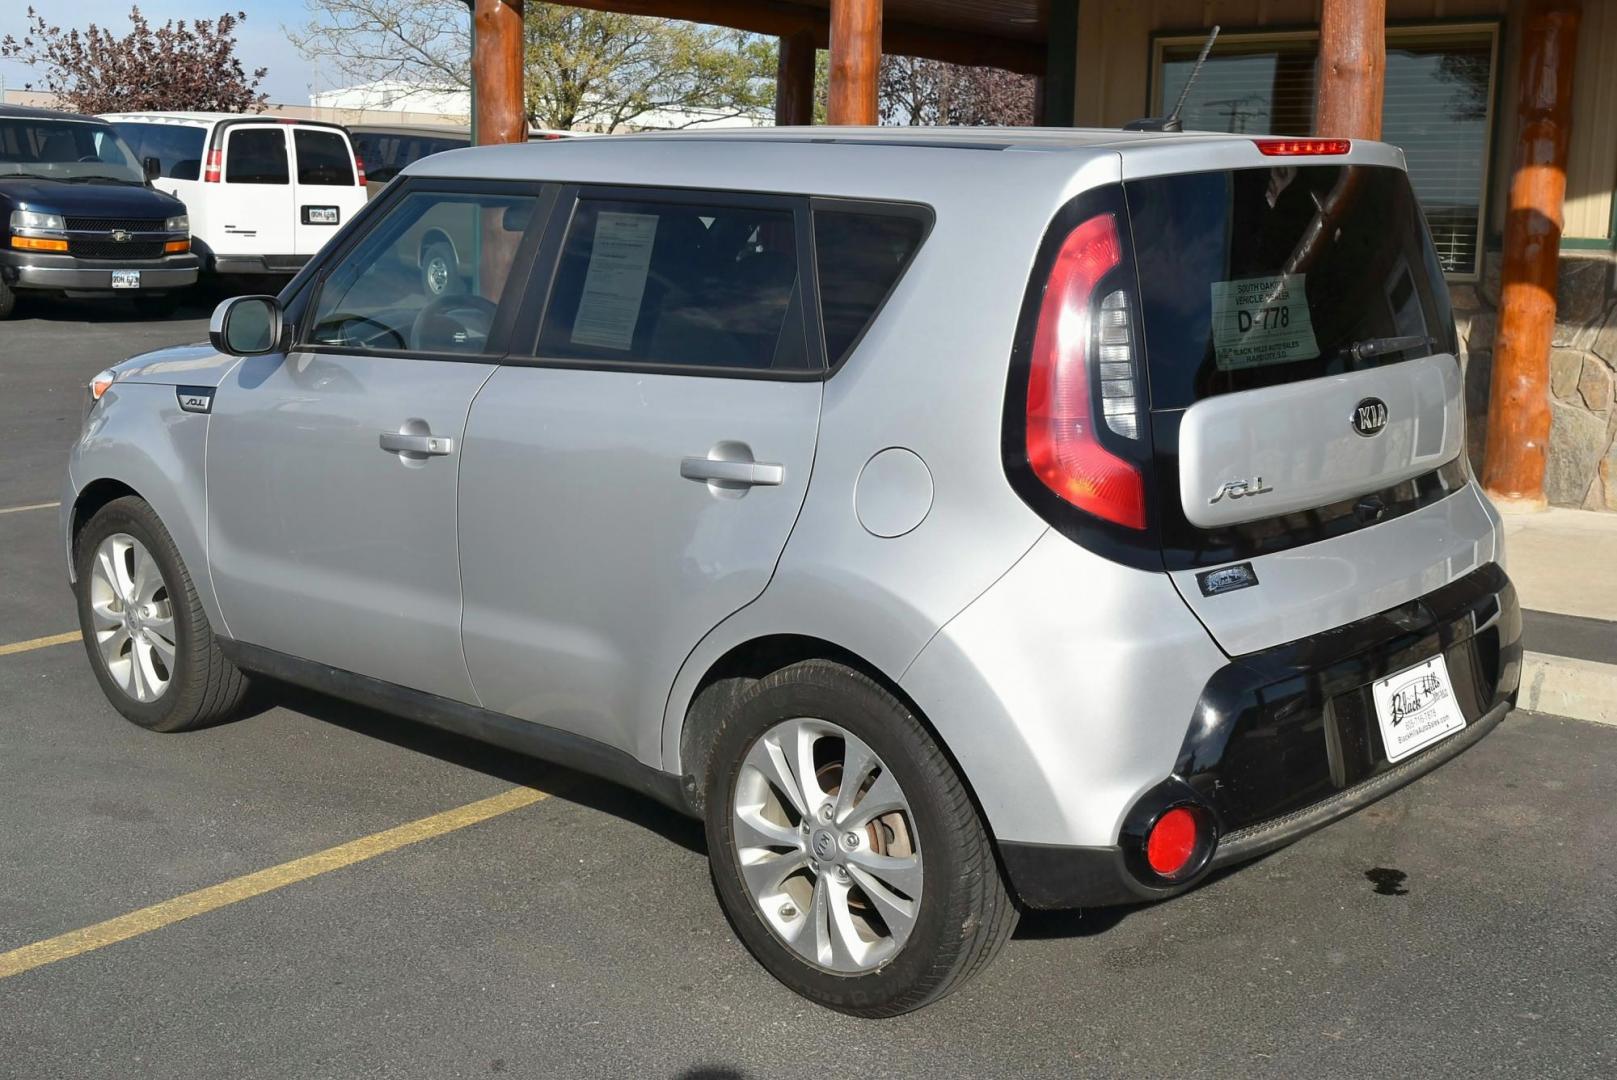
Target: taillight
point(359, 168)
point(1302, 147)
point(216, 163)
point(1082, 342)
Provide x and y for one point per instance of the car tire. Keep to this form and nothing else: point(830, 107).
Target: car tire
point(147, 637)
point(440, 270)
point(947, 900)
point(8, 300)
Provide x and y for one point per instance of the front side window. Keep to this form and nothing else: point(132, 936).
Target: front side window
point(178, 150)
point(1437, 109)
point(700, 285)
point(70, 150)
point(323, 159)
point(429, 277)
point(257, 156)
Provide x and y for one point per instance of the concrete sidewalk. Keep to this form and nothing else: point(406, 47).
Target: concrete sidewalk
point(1564, 564)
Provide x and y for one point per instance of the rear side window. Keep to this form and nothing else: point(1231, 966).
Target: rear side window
point(1258, 277)
point(700, 285)
point(323, 158)
point(386, 155)
point(859, 257)
point(178, 150)
point(256, 156)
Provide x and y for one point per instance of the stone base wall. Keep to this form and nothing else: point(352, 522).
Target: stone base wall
point(1582, 469)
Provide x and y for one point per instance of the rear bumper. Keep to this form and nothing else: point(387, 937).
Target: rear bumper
point(1285, 741)
point(67, 273)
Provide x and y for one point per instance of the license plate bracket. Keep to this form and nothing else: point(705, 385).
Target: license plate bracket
point(1416, 707)
point(126, 279)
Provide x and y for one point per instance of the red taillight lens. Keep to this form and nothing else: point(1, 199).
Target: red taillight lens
point(1173, 841)
point(359, 169)
point(216, 162)
point(1063, 445)
point(1302, 147)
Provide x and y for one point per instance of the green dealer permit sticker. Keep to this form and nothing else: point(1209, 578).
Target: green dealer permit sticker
point(1258, 321)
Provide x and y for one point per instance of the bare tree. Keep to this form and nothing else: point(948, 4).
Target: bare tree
point(583, 68)
point(916, 91)
point(179, 65)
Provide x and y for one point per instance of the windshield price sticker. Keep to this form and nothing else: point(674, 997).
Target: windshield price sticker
point(1259, 321)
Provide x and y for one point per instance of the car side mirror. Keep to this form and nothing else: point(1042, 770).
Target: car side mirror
point(246, 326)
point(153, 167)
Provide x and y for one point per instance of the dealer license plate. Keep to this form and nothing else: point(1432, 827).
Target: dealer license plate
point(1416, 708)
point(126, 279)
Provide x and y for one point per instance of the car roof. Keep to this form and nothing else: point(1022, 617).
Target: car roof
point(35, 113)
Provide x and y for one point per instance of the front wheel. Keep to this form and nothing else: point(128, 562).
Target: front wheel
point(845, 848)
point(148, 638)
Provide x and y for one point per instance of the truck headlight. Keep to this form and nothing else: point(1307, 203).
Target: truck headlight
point(33, 219)
point(178, 223)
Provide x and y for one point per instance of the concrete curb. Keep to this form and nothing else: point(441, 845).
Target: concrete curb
point(1564, 686)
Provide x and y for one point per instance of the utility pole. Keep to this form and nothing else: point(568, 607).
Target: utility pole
point(499, 114)
point(1352, 68)
point(855, 61)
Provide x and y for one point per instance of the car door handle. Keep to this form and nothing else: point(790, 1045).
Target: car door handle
point(399, 442)
point(751, 473)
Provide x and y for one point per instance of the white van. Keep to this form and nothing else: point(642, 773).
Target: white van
point(264, 194)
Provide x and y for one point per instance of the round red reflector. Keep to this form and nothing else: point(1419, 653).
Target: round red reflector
point(1172, 842)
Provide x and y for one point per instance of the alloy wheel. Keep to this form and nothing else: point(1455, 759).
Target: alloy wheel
point(133, 617)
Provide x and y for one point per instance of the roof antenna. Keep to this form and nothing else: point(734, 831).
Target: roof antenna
point(1171, 121)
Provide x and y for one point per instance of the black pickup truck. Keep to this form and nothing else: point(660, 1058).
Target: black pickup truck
point(79, 217)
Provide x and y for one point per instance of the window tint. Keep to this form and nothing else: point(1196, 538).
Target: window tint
point(256, 156)
point(385, 155)
point(860, 257)
point(428, 278)
point(178, 150)
point(674, 283)
point(323, 158)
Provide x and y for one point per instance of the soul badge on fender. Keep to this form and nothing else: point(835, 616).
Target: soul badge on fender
point(195, 398)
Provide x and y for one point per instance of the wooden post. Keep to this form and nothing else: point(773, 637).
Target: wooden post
point(794, 80)
point(1519, 398)
point(501, 113)
point(855, 61)
point(1352, 68)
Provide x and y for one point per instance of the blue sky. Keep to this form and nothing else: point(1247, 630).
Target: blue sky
point(261, 40)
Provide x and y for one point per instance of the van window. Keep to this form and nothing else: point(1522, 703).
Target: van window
point(323, 158)
point(859, 258)
point(428, 278)
point(1258, 277)
point(692, 285)
point(256, 156)
point(178, 149)
point(386, 155)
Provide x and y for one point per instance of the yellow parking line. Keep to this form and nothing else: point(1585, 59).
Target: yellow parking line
point(34, 506)
point(147, 919)
point(39, 643)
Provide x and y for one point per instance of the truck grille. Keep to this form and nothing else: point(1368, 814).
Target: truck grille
point(97, 224)
point(112, 249)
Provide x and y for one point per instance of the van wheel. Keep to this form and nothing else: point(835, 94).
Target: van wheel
point(8, 300)
point(440, 270)
point(844, 847)
point(149, 641)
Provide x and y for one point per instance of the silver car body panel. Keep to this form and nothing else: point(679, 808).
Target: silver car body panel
point(1293, 447)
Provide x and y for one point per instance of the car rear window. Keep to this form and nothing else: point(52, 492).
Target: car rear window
point(697, 285)
point(323, 158)
point(859, 257)
point(1258, 277)
point(256, 156)
point(178, 149)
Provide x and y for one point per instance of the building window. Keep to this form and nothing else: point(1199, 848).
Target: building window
point(1438, 109)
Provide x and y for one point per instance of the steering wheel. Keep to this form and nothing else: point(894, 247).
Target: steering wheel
point(343, 320)
point(435, 328)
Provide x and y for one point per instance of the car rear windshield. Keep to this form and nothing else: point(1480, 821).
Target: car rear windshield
point(1258, 277)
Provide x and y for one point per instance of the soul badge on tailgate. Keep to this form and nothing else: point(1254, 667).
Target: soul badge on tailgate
point(1227, 579)
point(195, 398)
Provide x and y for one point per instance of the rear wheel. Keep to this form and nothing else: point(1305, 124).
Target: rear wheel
point(845, 848)
point(148, 638)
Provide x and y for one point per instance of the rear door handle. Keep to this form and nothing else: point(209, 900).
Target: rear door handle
point(750, 473)
point(398, 442)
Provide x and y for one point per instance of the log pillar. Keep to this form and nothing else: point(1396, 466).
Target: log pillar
point(855, 61)
point(794, 81)
point(1519, 398)
point(501, 114)
point(1352, 68)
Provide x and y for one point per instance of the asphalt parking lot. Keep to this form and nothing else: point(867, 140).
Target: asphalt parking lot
point(1464, 926)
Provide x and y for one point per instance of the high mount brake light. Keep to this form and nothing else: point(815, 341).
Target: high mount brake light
point(1063, 446)
point(1302, 147)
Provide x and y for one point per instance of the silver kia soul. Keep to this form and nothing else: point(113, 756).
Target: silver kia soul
point(957, 521)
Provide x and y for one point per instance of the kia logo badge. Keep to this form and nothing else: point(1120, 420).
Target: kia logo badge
point(1369, 416)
